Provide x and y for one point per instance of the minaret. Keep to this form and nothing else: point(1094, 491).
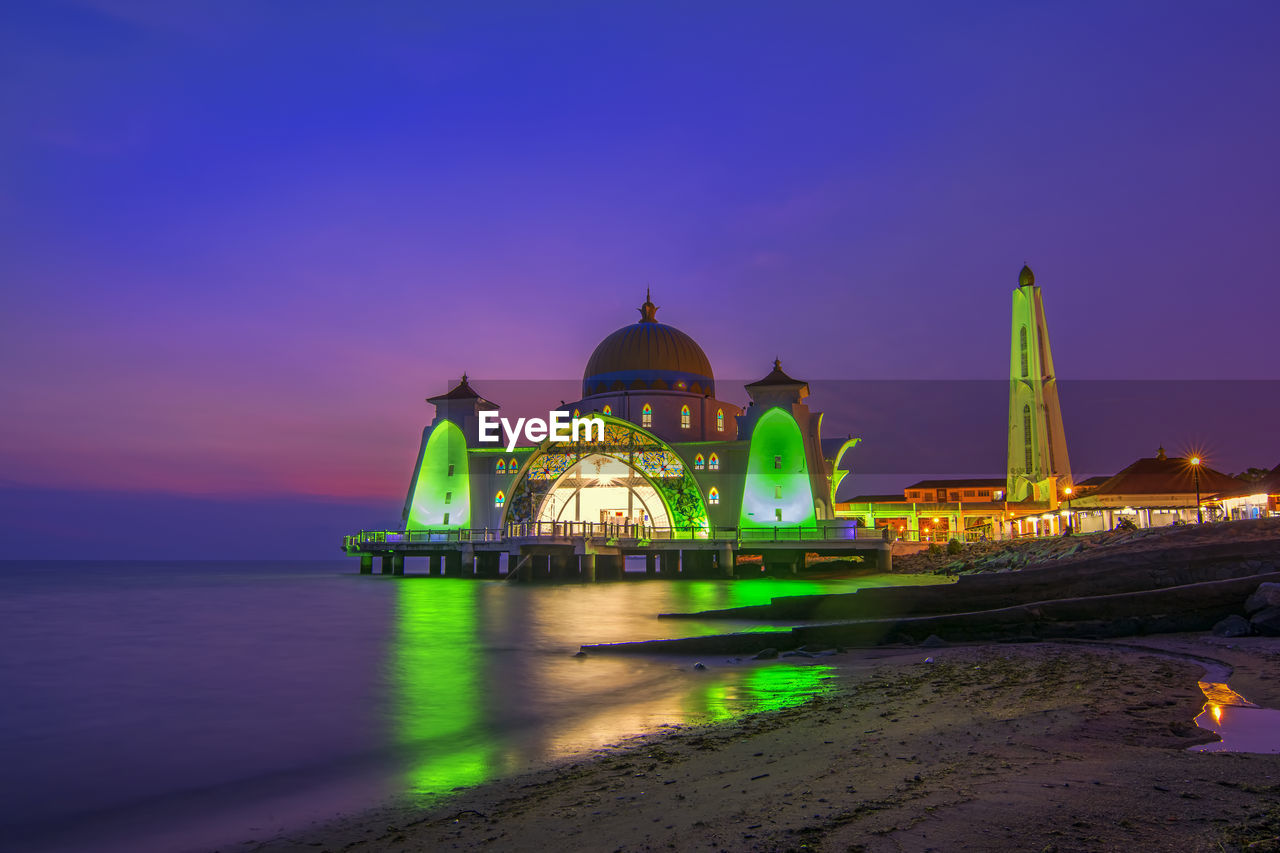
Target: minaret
point(1037, 445)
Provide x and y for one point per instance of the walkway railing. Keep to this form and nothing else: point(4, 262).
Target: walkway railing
point(612, 531)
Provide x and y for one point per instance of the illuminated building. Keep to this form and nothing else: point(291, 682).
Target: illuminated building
point(1251, 500)
point(1037, 443)
point(681, 476)
point(1152, 492)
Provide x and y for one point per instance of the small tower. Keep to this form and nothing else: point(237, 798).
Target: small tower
point(1037, 443)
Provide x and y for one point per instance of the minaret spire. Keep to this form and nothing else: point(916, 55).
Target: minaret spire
point(648, 311)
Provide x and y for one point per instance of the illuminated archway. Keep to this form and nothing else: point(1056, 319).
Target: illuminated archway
point(600, 488)
point(554, 473)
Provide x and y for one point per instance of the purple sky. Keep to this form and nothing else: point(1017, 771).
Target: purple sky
point(241, 243)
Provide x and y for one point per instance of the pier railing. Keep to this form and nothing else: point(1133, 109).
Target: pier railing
point(609, 531)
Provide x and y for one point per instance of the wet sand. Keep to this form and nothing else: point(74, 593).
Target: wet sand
point(1042, 747)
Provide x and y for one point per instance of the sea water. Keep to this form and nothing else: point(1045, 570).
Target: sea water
point(188, 705)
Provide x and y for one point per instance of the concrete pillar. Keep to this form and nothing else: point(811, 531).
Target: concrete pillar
point(468, 558)
point(724, 559)
point(452, 564)
point(366, 564)
point(587, 567)
point(669, 563)
point(385, 568)
point(435, 564)
point(650, 564)
point(397, 564)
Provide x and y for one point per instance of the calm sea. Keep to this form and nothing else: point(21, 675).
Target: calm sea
point(186, 706)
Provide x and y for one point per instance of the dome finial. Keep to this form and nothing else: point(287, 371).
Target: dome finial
point(648, 311)
point(777, 363)
point(1160, 453)
point(1026, 278)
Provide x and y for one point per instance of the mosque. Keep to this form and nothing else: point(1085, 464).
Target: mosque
point(697, 485)
point(687, 479)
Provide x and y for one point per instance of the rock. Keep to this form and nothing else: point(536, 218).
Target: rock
point(796, 654)
point(699, 665)
point(1232, 626)
point(766, 654)
point(933, 641)
point(1267, 622)
point(580, 655)
point(1268, 595)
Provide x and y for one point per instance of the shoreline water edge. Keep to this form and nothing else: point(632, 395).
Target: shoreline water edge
point(1029, 746)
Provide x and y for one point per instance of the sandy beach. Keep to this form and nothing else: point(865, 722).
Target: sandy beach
point(1041, 746)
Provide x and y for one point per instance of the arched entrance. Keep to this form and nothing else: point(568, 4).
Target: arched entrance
point(601, 488)
point(629, 478)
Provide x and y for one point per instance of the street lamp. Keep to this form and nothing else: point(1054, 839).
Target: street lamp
point(1071, 521)
point(1195, 473)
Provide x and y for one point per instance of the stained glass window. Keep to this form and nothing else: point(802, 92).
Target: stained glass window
point(646, 416)
point(608, 410)
point(698, 462)
point(499, 499)
point(720, 420)
point(502, 466)
point(684, 417)
point(713, 496)
point(714, 463)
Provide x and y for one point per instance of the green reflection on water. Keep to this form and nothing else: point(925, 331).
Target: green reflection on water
point(438, 693)
point(767, 687)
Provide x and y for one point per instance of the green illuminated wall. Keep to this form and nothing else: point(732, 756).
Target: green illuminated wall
point(437, 492)
point(769, 487)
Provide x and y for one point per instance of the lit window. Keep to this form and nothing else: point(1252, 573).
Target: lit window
point(448, 497)
point(720, 420)
point(608, 410)
point(1026, 437)
point(1023, 346)
point(450, 474)
point(502, 466)
point(777, 514)
point(499, 499)
point(777, 462)
point(646, 416)
point(714, 464)
point(514, 464)
point(577, 414)
point(777, 492)
point(684, 417)
point(713, 496)
point(699, 462)
point(446, 518)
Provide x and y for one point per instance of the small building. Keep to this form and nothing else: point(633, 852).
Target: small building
point(934, 510)
point(1250, 500)
point(1155, 491)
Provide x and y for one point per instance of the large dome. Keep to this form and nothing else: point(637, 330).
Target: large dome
point(648, 355)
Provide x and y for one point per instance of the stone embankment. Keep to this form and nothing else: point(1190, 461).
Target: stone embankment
point(1112, 585)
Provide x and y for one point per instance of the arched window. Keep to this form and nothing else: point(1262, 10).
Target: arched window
point(501, 466)
point(1026, 435)
point(1022, 335)
point(714, 463)
point(608, 410)
point(514, 465)
point(499, 499)
point(646, 416)
point(699, 462)
point(684, 417)
point(720, 420)
point(713, 496)
point(577, 414)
